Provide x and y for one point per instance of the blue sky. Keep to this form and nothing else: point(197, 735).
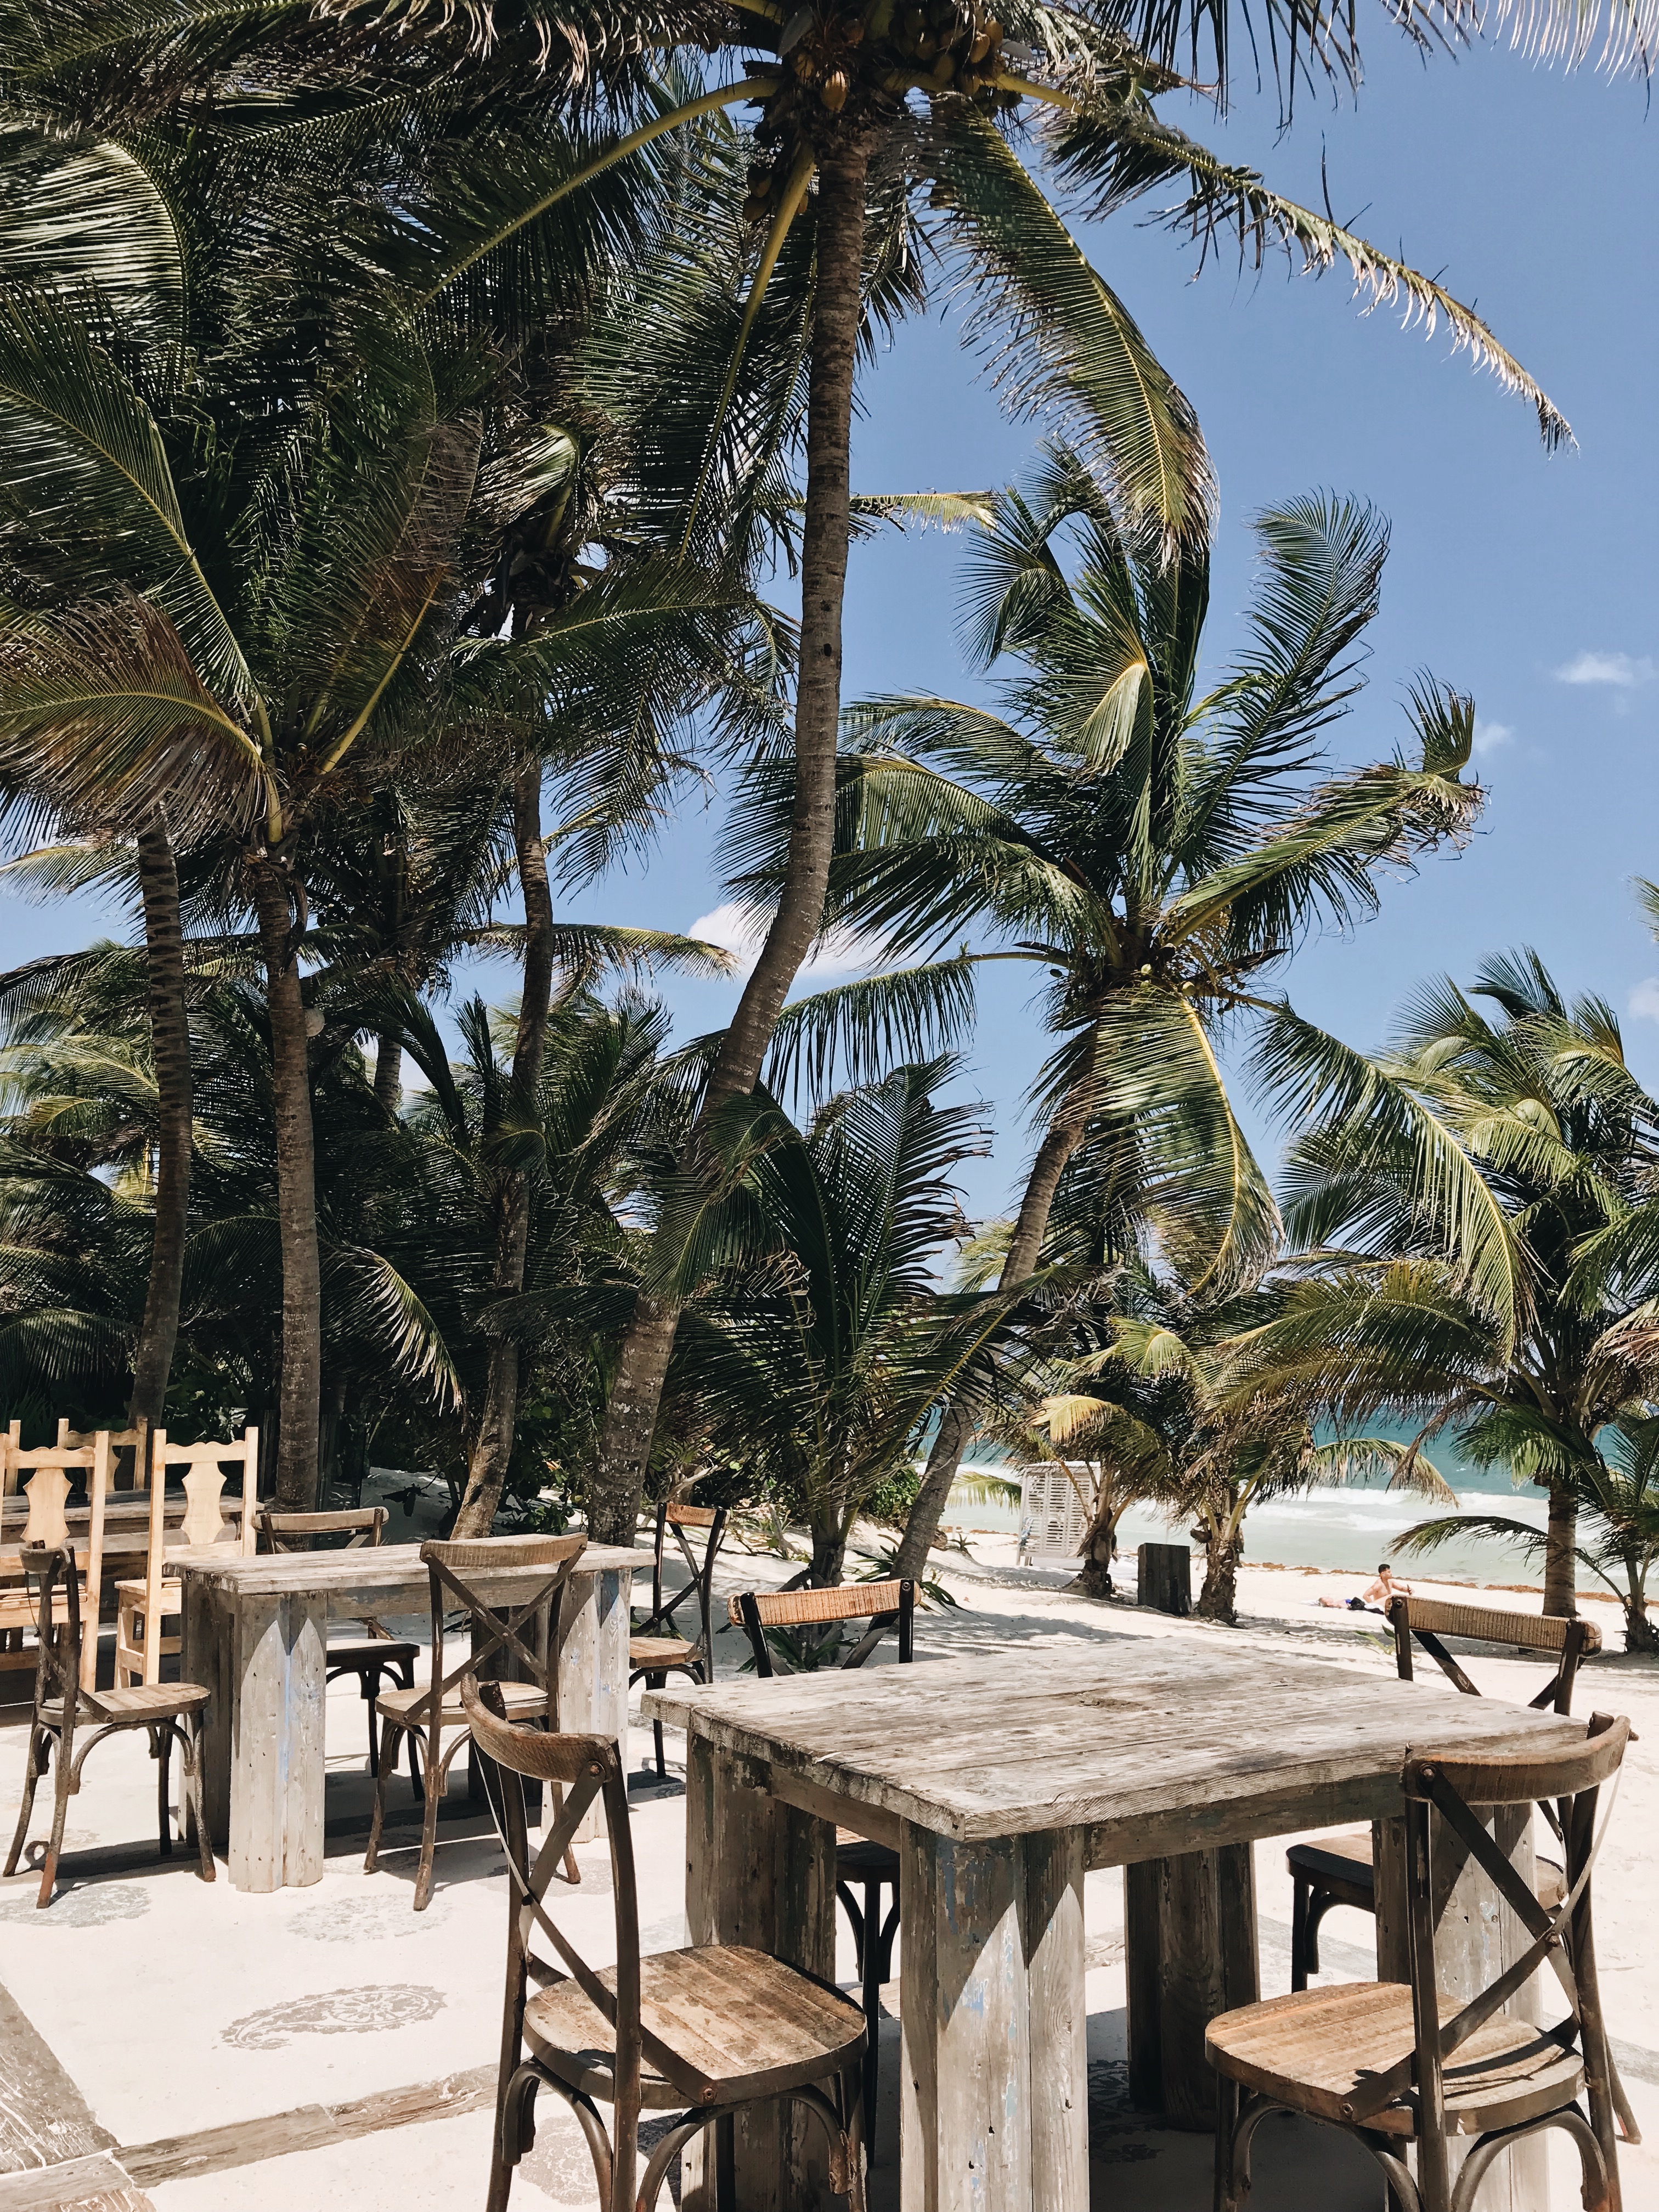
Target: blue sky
point(1525, 579)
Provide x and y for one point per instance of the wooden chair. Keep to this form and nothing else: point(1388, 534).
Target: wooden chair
point(371, 1658)
point(860, 1864)
point(423, 1714)
point(44, 1476)
point(143, 1608)
point(708, 2031)
point(1338, 1869)
point(61, 1701)
point(655, 1649)
point(1380, 2061)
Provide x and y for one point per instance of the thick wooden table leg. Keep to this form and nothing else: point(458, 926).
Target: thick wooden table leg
point(276, 1766)
point(206, 1656)
point(593, 1666)
point(1476, 1937)
point(993, 2079)
point(762, 1873)
point(1189, 1940)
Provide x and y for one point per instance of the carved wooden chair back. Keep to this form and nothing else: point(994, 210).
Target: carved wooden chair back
point(296, 1532)
point(1427, 1620)
point(45, 1477)
point(141, 1640)
point(9, 1444)
point(121, 1440)
point(1454, 1787)
point(886, 1606)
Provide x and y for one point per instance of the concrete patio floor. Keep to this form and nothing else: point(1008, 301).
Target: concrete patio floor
point(169, 2044)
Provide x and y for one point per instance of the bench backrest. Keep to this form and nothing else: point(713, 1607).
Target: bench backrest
point(1426, 1621)
point(884, 1604)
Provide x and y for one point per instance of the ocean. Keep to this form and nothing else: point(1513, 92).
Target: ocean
point(1345, 1530)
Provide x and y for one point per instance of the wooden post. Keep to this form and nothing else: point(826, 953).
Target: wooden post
point(1164, 1577)
point(993, 2083)
point(1190, 1939)
point(206, 1657)
point(1476, 1937)
point(593, 1666)
point(277, 1742)
point(758, 1873)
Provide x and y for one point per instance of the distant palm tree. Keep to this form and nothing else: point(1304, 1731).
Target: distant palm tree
point(1163, 1418)
point(1470, 1195)
point(1156, 850)
point(819, 1341)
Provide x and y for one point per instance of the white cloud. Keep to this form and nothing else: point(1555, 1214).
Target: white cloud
point(1618, 669)
point(741, 930)
point(1644, 998)
point(1489, 736)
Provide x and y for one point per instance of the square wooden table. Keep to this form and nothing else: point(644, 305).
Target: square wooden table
point(256, 1635)
point(999, 1783)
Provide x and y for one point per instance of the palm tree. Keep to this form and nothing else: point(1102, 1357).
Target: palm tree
point(871, 117)
point(1156, 850)
point(815, 1334)
point(1467, 1194)
point(1176, 1432)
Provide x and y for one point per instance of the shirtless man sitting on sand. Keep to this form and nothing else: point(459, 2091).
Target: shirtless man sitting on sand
point(1377, 1599)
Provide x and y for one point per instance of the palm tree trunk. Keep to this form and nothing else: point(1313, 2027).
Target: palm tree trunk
point(1640, 1635)
point(169, 1031)
point(492, 1447)
point(1099, 1545)
point(956, 1426)
point(1217, 1599)
point(1561, 1552)
point(388, 1073)
point(630, 1419)
point(296, 1198)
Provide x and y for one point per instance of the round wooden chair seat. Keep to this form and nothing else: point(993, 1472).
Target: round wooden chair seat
point(747, 2023)
point(143, 1701)
point(523, 1700)
point(1313, 2050)
point(658, 1651)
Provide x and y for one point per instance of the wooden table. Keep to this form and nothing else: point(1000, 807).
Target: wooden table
point(999, 1783)
point(256, 1632)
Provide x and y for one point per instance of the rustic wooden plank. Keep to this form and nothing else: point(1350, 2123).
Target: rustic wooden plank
point(307, 2127)
point(50, 2143)
point(390, 1575)
point(96, 2183)
point(1055, 1951)
point(207, 1656)
point(1111, 1739)
point(593, 1664)
point(800, 1791)
point(1189, 1938)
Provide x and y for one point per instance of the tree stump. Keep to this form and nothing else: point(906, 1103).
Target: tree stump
point(1165, 1577)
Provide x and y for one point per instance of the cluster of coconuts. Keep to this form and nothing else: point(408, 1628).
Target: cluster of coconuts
point(943, 45)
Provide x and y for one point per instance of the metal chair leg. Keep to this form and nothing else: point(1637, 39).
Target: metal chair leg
point(1299, 1886)
point(163, 1752)
point(34, 1767)
point(871, 1963)
point(725, 2164)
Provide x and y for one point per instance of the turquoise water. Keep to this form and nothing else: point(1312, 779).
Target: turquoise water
point(1345, 1530)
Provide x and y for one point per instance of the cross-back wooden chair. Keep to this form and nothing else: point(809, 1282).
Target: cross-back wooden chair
point(1380, 2060)
point(861, 1866)
point(705, 2032)
point(44, 1478)
point(212, 1526)
point(373, 1658)
point(423, 1714)
point(1338, 1869)
point(63, 1701)
point(656, 1649)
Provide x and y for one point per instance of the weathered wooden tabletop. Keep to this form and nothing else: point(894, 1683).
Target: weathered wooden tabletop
point(383, 1573)
point(1153, 1748)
